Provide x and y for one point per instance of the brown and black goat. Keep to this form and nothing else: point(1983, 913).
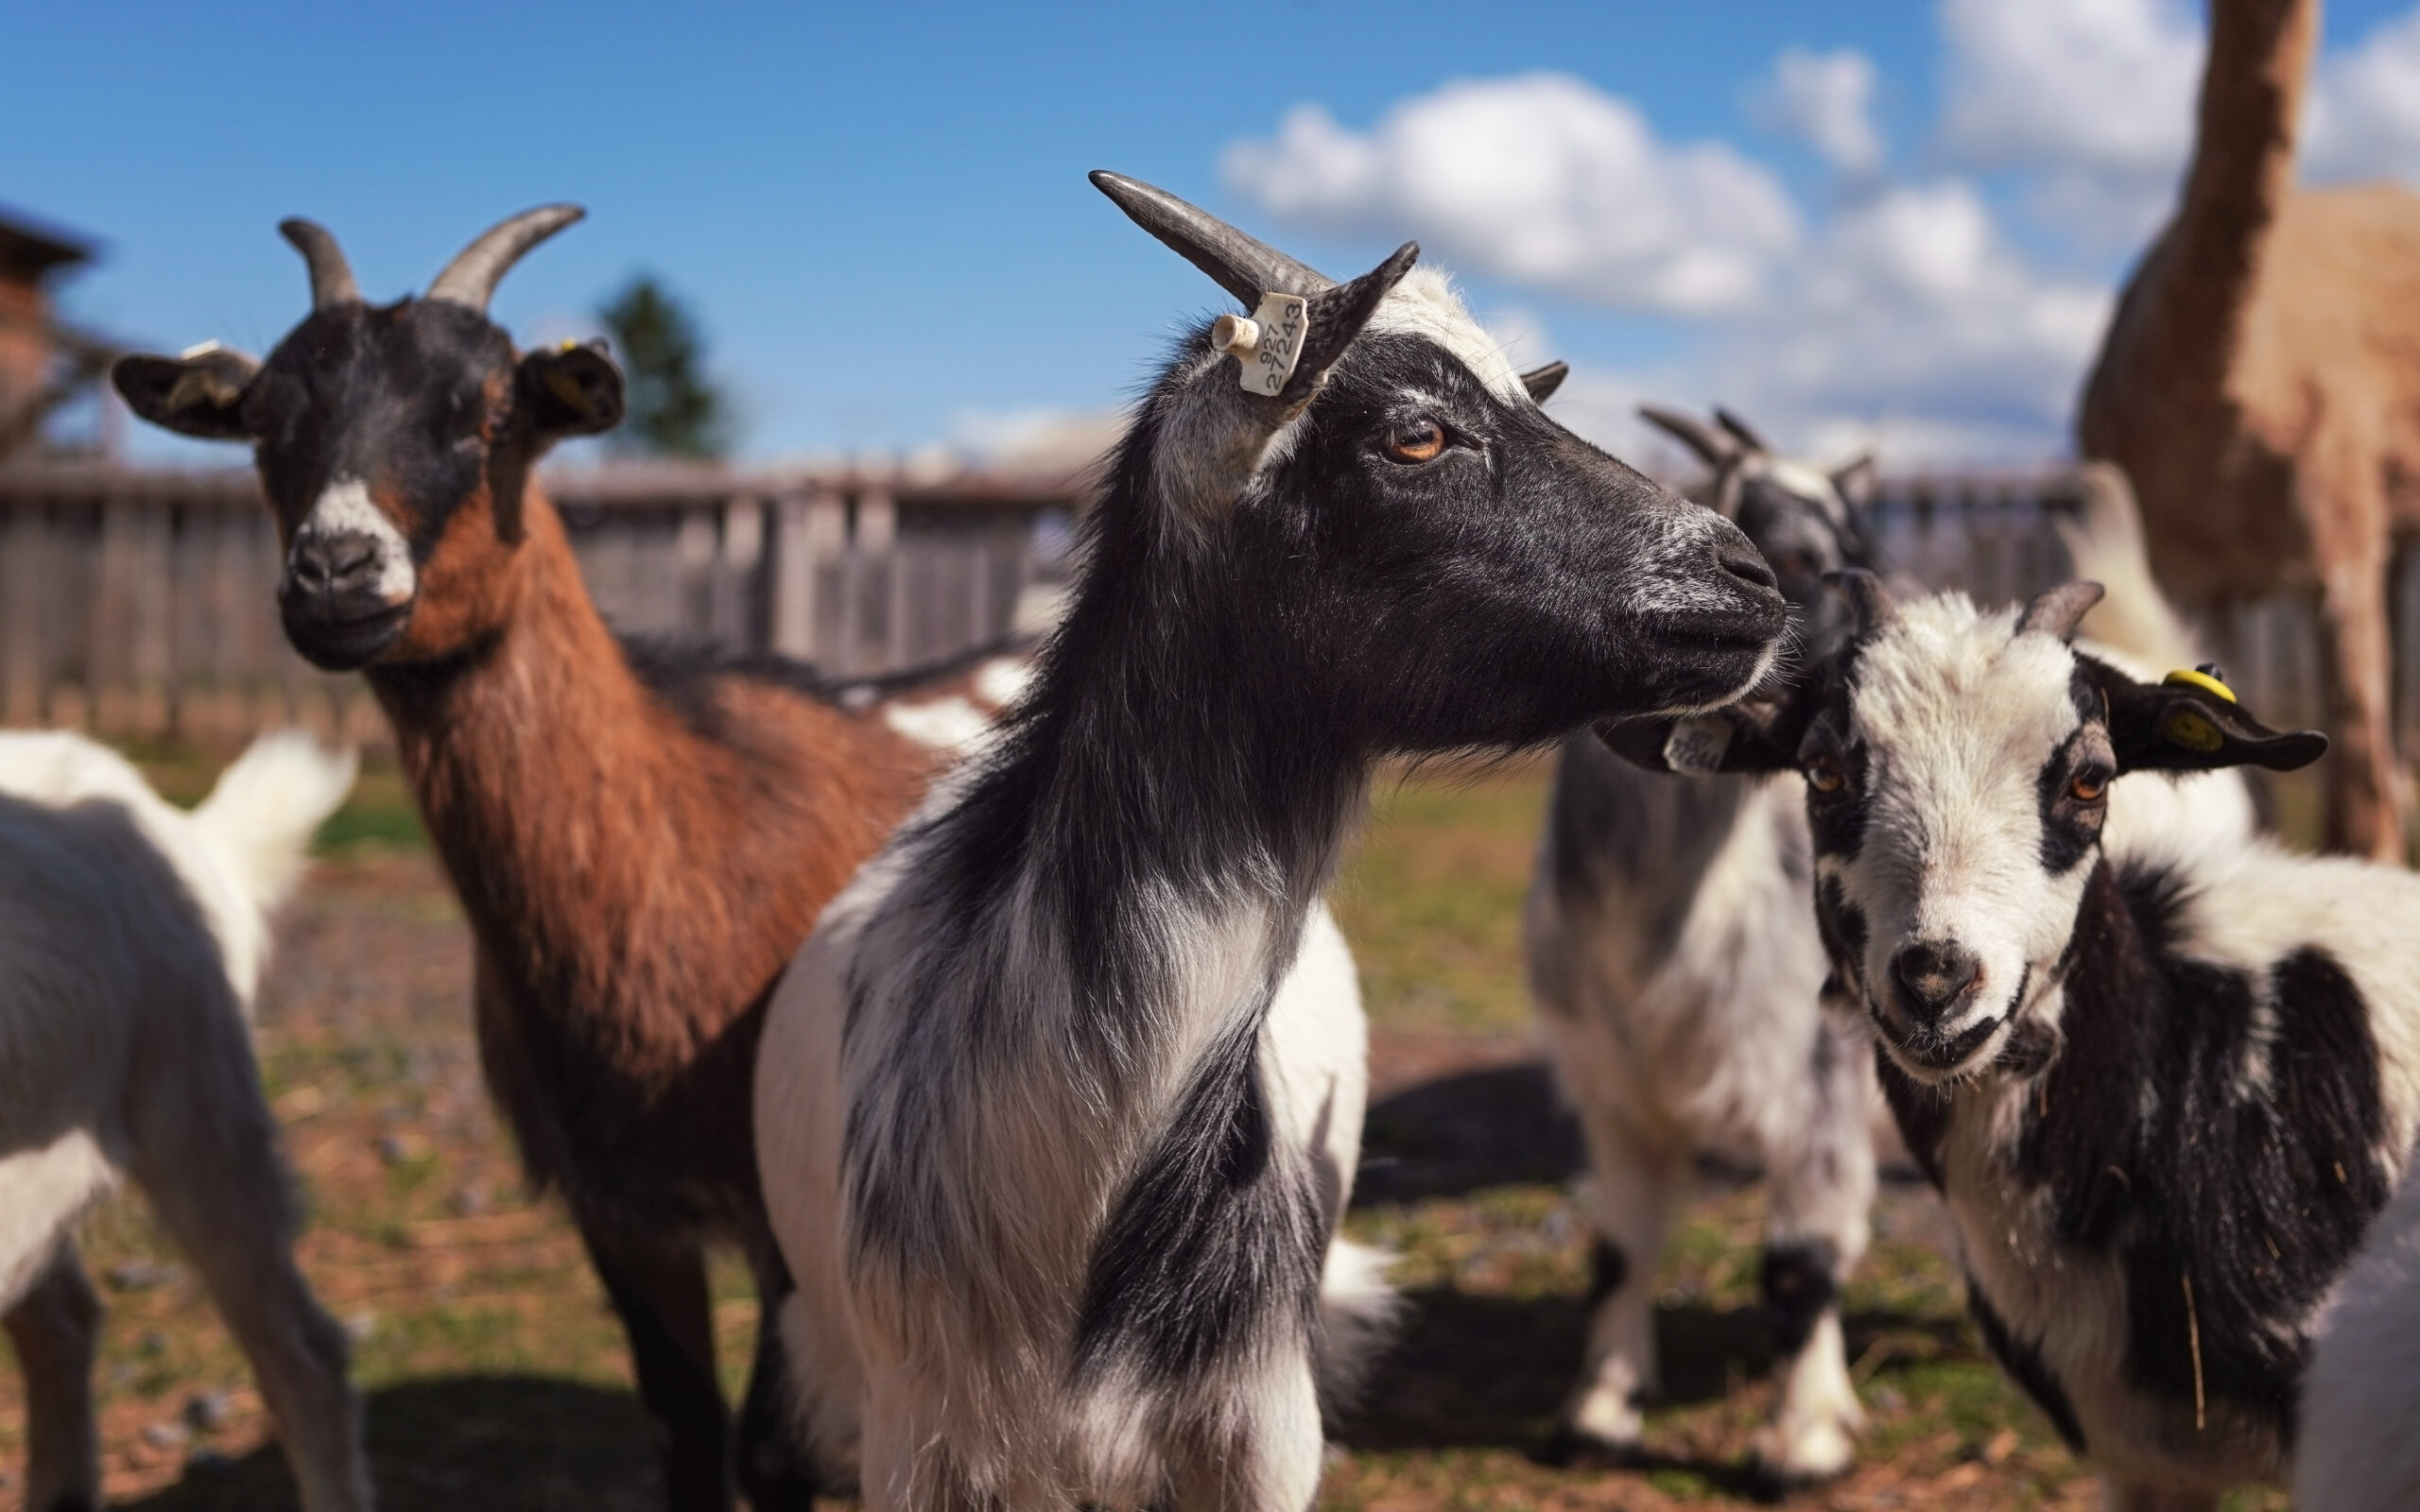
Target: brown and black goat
point(641, 836)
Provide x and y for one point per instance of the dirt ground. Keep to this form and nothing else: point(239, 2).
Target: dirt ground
point(495, 1376)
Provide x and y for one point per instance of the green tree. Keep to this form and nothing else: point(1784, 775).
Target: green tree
point(674, 409)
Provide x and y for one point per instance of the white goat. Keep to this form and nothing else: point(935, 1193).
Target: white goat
point(2164, 1073)
point(1055, 1122)
point(133, 935)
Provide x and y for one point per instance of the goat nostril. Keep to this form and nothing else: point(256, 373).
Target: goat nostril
point(1740, 560)
point(1936, 975)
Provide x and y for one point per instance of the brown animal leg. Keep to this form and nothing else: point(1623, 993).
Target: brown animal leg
point(2366, 810)
point(55, 1327)
point(776, 1473)
point(658, 1287)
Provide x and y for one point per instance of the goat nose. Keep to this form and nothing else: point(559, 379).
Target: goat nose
point(336, 561)
point(1741, 560)
point(1934, 976)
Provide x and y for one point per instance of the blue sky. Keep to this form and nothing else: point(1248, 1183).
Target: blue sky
point(881, 214)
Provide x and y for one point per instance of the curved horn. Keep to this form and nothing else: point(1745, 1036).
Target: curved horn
point(1864, 593)
point(471, 277)
point(1243, 266)
point(2059, 610)
point(1543, 382)
point(1739, 427)
point(331, 277)
point(1711, 448)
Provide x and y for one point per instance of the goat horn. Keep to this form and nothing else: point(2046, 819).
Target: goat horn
point(1739, 427)
point(1243, 266)
point(471, 278)
point(331, 276)
point(1711, 449)
point(1865, 594)
point(2059, 610)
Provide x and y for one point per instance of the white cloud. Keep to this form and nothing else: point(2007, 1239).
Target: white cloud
point(1541, 180)
point(2092, 99)
point(2364, 120)
point(2101, 84)
point(1827, 100)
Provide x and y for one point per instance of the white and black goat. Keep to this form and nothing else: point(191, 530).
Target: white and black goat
point(1673, 960)
point(1054, 1149)
point(2164, 1073)
point(133, 935)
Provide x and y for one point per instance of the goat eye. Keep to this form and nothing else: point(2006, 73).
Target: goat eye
point(2088, 787)
point(1826, 775)
point(1416, 440)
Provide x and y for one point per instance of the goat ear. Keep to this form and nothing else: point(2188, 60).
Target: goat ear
point(1335, 317)
point(1758, 734)
point(1857, 483)
point(572, 390)
point(201, 393)
point(1543, 382)
point(2191, 723)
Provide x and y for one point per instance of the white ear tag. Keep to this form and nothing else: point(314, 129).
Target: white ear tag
point(1268, 343)
point(1697, 746)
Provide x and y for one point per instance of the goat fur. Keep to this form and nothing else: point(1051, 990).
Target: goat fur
point(132, 937)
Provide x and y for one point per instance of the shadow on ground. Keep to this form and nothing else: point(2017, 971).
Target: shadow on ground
point(463, 1444)
point(1490, 1372)
point(1504, 1126)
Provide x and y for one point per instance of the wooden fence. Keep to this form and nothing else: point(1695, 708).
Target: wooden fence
point(143, 603)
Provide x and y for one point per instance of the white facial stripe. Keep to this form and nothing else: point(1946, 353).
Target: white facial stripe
point(1424, 304)
point(1958, 716)
point(344, 507)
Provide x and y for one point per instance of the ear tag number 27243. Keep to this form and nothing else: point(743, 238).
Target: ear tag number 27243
point(1283, 320)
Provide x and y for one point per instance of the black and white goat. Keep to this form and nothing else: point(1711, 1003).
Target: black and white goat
point(1673, 960)
point(2165, 1074)
point(133, 935)
point(1055, 1158)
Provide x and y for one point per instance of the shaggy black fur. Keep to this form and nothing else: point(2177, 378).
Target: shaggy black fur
point(2257, 1193)
point(1799, 1281)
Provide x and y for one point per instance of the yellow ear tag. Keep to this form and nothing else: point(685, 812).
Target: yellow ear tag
point(2184, 679)
point(2192, 730)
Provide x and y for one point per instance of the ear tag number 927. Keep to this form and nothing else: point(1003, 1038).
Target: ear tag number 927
point(1268, 344)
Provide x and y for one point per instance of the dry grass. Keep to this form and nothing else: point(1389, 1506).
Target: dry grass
point(496, 1378)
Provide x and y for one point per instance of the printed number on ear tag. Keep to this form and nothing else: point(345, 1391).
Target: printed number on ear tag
point(1697, 746)
point(1267, 346)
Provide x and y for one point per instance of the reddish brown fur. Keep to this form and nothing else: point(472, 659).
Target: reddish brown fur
point(635, 884)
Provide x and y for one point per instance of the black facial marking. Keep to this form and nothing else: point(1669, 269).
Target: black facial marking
point(2071, 829)
point(2024, 1365)
point(394, 396)
point(1800, 1283)
point(1838, 819)
point(2212, 1176)
point(1841, 925)
point(1608, 1270)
